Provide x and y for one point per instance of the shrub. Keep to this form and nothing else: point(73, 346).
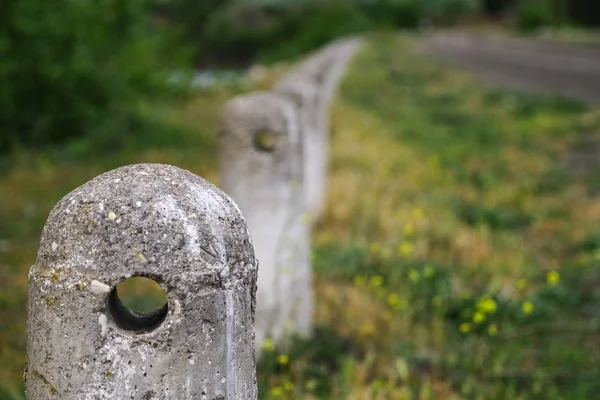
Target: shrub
point(313, 25)
point(494, 7)
point(240, 33)
point(447, 11)
point(236, 33)
point(67, 68)
point(396, 13)
point(532, 16)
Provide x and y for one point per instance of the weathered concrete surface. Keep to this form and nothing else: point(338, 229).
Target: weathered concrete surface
point(167, 224)
point(305, 92)
point(267, 185)
point(312, 85)
point(570, 70)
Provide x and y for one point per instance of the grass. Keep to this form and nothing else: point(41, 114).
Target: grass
point(457, 259)
point(457, 256)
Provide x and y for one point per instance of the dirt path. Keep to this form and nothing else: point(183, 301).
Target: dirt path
point(570, 70)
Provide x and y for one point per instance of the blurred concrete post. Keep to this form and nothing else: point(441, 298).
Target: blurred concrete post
point(166, 224)
point(304, 92)
point(260, 157)
point(312, 85)
point(339, 53)
point(343, 50)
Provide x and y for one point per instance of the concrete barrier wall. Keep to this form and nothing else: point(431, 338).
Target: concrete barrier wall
point(198, 245)
point(273, 162)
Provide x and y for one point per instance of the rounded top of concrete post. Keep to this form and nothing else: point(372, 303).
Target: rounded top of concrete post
point(302, 88)
point(148, 219)
point(263, 121)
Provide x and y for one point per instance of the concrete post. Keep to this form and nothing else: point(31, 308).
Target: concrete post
point(342, 52)
point(304, 92)
point(260, 156)
point(160, 222)
point(312, 85)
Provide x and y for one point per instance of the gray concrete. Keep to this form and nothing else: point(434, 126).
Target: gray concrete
point(167, 224)
point(267, 184)
point(313, 85)
point(305, 92)
point(559, 69)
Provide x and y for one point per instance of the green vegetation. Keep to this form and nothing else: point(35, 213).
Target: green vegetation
point(532, 15)
point(77, 75)
point(79, 70)
point(457, 257)
point(241, 32)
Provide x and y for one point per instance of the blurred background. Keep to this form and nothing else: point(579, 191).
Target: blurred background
point(460, 252)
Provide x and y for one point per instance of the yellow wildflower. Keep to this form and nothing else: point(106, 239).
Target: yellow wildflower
point(393, 300)
point(464, 327)
point(493, 329)
point(553, 278)
point(375, 248)
point(376, 281)
point(268, 344)
point(527, 307)
point(478, 317)
point(288, 386)
point(359, 280)
point(283, 359)
point(406, 249)
point(521, 283)
point(487, 305)
point(409, 228)
point(277, 391)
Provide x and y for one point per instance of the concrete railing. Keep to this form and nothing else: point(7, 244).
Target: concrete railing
point(273, 161)
point(189, 237)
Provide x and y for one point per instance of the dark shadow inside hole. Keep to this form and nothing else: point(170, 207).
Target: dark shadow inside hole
point(264, 141)
point(138, 304)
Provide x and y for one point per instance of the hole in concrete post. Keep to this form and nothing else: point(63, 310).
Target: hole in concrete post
point(138, 304)
point(264, 141)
